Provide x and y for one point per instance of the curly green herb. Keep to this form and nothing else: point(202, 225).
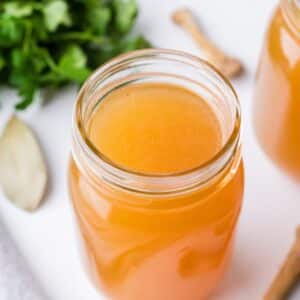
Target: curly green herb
point(53, 42)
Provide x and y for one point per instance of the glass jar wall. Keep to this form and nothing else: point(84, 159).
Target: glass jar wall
point(156, 236)
point(277, 91)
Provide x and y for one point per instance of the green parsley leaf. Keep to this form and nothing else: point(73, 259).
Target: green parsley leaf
point(11, 31)
point(27, 91)
point(73, 64)
point(23, 76)
point(99, 18)
point(53, 42)
point(126, 11)
point(56, 14)
point(18, 10)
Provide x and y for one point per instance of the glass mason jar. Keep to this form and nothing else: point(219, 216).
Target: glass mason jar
point(157, 237)
point(277, 92)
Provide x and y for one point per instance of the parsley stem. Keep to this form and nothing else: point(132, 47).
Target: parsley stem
point(81, 36)
point(27, 37)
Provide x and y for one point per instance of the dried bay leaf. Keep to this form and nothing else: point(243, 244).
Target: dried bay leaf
point(23, 173)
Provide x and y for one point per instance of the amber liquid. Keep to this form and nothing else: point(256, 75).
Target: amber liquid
point(157, 247)
point(277, 96)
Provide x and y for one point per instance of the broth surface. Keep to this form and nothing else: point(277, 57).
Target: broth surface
point(155, 128)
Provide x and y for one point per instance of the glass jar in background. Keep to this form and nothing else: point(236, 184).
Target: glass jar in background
point(277, 91)
point(157, 237)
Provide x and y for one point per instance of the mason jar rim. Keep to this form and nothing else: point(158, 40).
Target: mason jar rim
point(117, 174)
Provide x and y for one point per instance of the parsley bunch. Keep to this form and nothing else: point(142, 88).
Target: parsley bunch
point(53, 42)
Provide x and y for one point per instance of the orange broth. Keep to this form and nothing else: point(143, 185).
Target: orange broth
point(277, 95)
point(157, 247)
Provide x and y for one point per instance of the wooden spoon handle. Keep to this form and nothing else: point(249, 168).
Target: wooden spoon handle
point(227, 65)
point(186, 19)
point(287, 275)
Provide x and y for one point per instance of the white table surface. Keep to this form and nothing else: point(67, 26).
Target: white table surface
point(271, 208)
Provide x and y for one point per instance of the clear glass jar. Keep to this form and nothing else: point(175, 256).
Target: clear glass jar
point(157, 237)
point(277, 91)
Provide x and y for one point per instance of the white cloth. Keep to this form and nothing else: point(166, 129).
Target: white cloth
point(16, 280)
